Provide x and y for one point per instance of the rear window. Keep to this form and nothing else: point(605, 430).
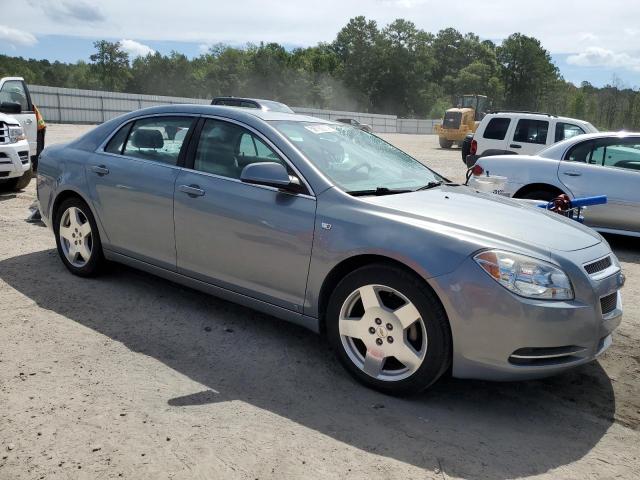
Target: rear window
point(531, 131)
point(497, 128)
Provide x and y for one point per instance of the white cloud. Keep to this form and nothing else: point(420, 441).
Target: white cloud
point(70, 10)
point(588, 37)
point(135, 49)
point(15, 37)
point(602, 57)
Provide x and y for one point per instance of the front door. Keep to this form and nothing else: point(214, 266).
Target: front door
point(15, 91)
point(611, 167)
point(131, 184)
point(250, 239)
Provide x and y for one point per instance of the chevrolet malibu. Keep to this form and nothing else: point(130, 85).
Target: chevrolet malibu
point(319, 223)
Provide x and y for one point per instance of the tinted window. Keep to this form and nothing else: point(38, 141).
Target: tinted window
point(531, 131)
point(567, 130)
point(158, 138)
point(580, 152)
point(608, 153)
point(497, 128)
point(13, 91)
point(226, 148)
point(117, 141)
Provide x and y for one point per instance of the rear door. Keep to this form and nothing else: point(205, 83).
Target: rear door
point(529, 136)
point(131, 183)
point(15, 91)
point(611, 167)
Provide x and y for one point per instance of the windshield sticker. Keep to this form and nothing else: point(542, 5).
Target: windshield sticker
point(319, 128)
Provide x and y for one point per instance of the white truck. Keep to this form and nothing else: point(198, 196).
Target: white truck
point(520, 133)
point(18, 134)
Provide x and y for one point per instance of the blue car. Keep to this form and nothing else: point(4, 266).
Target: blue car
point(319, 223)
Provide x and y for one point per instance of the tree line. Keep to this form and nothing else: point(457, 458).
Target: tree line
point(396, 69)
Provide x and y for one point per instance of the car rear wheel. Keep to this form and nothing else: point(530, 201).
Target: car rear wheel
point(444, 143)
point(389, 330)
point(78, 239)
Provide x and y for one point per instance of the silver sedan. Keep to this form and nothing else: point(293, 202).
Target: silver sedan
point(582, 166)
point(319, 223)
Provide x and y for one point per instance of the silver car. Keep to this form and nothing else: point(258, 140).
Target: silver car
point(581, 166)
point(324, 225)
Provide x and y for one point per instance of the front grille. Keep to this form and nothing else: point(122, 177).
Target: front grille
point(452, 120)
point(4, 133)
point(24, 157)
point(598, 265)
point(609, 303)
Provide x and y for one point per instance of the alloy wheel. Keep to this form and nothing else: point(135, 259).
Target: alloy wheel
point(76, 238)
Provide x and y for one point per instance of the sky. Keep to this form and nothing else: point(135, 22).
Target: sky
point(588, 39)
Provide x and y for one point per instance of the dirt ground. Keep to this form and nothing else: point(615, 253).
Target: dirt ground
point(131, 376)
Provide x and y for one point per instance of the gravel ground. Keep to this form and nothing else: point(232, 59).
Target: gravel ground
point(131, 376)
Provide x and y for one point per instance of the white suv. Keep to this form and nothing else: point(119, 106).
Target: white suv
point(521, 133)
point(15, 164)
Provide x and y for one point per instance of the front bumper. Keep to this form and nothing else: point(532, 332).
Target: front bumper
point(498, 335)
point(14, 160)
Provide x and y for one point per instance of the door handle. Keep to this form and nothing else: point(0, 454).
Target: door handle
point(191, 190)
point(515, 145)
point(28, 121)
point(571, 173)
point(100, 169)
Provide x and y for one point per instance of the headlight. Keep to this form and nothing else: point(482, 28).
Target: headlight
point(526, 276)
point(16, 133)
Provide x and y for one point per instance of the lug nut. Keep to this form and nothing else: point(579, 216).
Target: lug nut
point(379, 341)
point(390, 339)
point(372, 330)
point(389, 327)
point(378, 321)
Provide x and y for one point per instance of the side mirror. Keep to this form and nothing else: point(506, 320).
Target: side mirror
point(10, 108)
point(271, 174)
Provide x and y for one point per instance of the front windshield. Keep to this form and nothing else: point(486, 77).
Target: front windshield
point(355, 160)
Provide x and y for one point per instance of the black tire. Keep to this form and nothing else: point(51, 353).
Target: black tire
point(96, 262)
point(444, 143)
point(544, 195)
point(438, 354)
point(20, 183)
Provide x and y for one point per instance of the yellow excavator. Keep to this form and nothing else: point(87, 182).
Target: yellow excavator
point(463, 119)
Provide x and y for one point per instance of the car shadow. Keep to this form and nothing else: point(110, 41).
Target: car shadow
point(464, 428)
point(626, 248)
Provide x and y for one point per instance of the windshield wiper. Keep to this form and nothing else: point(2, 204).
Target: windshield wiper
point(428, 186)
point(378, 191)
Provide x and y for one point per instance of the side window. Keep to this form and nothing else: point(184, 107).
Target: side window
point(497, 128)
point(158, 138)
point(226, 148)
point(531, 131)
point(580, 152)
point(567, 130)
point(117, 141)
point(622, 155)
point(13, 91)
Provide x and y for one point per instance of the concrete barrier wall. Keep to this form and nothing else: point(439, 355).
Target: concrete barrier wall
point(72, 105)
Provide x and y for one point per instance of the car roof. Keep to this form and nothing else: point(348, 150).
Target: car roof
point(558, 149)
point(230, 112)
point(536, 115)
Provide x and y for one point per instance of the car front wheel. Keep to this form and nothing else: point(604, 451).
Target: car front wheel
point(77, 238)
point(389, 329)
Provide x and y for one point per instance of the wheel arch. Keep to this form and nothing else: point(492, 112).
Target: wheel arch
point(532, 187)
point(67, 193)
point(348, 265)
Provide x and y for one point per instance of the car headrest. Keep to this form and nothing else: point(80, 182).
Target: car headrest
point(147, 138)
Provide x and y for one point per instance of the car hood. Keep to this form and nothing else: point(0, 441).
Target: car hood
point(7, 119)
point(490, 215)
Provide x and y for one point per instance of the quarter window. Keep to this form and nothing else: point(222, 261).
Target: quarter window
point(567, 130)
point(158, 138)
point(226, 148)
point(531, 131)
point(497, 128)
point(116, 143)
point(13, 92)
